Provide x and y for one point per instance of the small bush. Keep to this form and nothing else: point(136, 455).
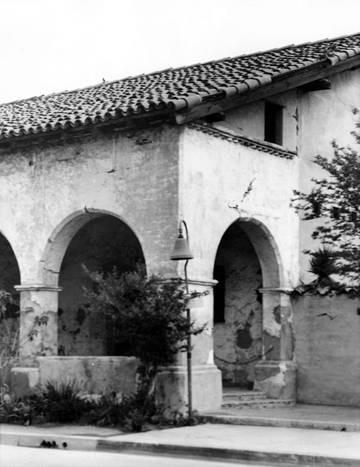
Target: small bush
point(131, 413)
point(60, 402)
point(323, 263)
point(148, 319)
point(13, 410)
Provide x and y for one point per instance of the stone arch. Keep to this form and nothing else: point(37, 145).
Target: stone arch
point(101, 241)
point(266, 249)
point(61, 237)
point(247, 260)
point(9, 267)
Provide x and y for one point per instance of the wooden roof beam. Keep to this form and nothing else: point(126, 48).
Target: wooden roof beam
point(317, 85)
point(286, 82)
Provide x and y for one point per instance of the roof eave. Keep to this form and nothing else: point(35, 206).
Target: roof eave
point(282, 83)
point(126, 123)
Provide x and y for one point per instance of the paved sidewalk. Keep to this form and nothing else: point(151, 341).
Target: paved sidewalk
point(322, 417)
point(290, 446)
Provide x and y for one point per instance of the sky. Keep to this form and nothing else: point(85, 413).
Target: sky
point(55, 45)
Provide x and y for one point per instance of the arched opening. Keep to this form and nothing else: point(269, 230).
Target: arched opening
point(9, 269)
point(101, 243)
point(9, 319)
point(246, 261)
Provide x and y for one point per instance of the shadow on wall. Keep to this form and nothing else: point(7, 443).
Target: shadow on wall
point(102, 244)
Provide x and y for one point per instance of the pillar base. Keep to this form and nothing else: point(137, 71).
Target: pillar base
point(171, 388)
point(277, 379)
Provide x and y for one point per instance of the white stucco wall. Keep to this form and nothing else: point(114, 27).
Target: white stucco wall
point(324, 116)
point(248, 120)
point(215, 174)
point(41, 186)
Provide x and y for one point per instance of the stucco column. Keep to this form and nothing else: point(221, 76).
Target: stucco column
point(206, 377)
point(38, 322)
point(275, 374)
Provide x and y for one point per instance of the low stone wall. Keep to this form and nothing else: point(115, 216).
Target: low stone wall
point(95, 375)
point(327, 350)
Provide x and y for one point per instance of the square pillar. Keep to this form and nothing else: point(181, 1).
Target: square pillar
point(275, 374)
point(38, 322)
point(206, 377)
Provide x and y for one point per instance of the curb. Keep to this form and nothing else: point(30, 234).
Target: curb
point(89, 443)
point(282, 423)
point(79, 443)
point(275, 458)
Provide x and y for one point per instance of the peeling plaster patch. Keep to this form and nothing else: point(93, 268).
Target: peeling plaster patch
point(270, 325)
point(267, 373)
point(243, 337)
point(238, 341)
point(278, 380)
point(277, 314)
point(272, 346)
point(210, 360)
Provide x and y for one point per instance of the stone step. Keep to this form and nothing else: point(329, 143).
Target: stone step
point(256, 403)
point(242, 395)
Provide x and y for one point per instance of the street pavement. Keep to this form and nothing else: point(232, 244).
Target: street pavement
point(11, 456)
point(273, 445)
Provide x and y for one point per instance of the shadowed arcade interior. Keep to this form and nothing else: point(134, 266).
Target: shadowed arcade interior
point(9, 269)
point(9, 277)
point(237, 308)
point(102, 244)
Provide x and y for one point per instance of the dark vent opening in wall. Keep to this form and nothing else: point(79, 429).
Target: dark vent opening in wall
point(273, 123)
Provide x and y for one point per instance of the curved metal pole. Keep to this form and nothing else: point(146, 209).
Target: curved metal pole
point(186, 229)
point(188, 318)
point(188, 347)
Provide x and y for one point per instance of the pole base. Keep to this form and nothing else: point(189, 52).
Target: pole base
point(172, 391)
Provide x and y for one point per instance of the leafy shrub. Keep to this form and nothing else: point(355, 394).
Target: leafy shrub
point(60, 402)
point(335, 200)
point(148, 319)
point(323, 263)
point(147, 314)
point(10, 341)
point(17, 412)
point(12, 410)
point(130, 413)
point(136, 413)
point(9, 335)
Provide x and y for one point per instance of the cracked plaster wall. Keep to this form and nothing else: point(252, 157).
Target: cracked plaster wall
point(42, 185)
point(132, 175)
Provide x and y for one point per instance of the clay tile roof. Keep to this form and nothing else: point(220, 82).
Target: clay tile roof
point(169, 90)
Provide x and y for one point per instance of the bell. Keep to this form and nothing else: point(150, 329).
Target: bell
point(181, 249)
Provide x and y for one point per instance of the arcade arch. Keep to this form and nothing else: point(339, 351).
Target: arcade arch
point(247, 260)
point(100, 241)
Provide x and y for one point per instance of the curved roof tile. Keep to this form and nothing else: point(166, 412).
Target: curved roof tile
point(171, 89)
